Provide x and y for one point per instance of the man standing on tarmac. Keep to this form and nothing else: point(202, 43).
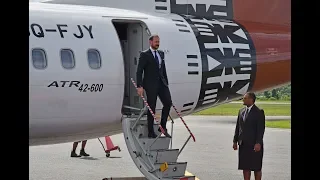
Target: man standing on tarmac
point(155, 82)
point(248, 135)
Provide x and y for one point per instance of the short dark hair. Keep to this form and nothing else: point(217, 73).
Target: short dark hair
point(252, 96)
point(152, 36)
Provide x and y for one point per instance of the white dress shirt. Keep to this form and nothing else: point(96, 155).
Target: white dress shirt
point(157, 53)
point(247, 108)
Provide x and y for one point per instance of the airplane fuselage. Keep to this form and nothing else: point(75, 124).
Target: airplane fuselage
point(81, 59)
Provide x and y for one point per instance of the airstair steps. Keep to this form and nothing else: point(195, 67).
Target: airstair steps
point(150, 144)
point(151, 153)
point(143, 178)
point(184, 178)
point(174, 169)
point(153, 156)
point(164, 155)
point(142, 128)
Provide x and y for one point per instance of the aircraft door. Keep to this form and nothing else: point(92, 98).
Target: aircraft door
point(136, 43)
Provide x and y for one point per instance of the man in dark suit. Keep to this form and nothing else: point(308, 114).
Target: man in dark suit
point(154, 82)
point(249, 134)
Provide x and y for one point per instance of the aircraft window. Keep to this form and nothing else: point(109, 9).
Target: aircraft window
point(67, 58)
point(94, 59)
point(39, 58)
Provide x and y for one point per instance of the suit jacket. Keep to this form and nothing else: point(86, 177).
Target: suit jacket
point(149, 67)
point(250, 131)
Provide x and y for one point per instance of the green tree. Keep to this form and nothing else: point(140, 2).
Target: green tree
point(274, 93)
point(280, 93)
point(266, 94)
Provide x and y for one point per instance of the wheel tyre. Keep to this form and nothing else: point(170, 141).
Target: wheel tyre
point(107, 154)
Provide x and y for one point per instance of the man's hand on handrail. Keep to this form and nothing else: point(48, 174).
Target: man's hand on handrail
point(140, 91)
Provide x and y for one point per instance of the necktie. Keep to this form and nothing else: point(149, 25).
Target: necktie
point(156, 57)
point(246, 114)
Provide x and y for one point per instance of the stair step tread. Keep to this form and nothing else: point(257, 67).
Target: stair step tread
point(175, 169)
point(146, 124)
point(159, 150)
point(161, 137)
point(164, 155)
point(160, 143)
point(172, 163)
point(147, 138)
point(180, 177)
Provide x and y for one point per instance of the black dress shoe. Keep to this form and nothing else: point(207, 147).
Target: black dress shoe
point(83, 153)
point(153, 135)
point(165, 133)
point(74, 154)
point(165, 130)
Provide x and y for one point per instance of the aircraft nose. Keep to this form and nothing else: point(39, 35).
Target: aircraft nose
point(273, 57)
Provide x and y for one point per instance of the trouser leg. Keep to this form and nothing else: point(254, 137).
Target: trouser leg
point(152, 101)
point(165, 97)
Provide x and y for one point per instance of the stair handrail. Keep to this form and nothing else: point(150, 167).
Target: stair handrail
point(152, 113)
point(174, 107)
point(172, 122)
point(191, 134)
point(162, 130)
point(146, 103)
point(142, 111)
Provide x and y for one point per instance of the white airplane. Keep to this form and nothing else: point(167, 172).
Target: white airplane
point(82, 58)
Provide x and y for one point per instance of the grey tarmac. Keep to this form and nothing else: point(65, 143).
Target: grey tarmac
point(211, 157)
